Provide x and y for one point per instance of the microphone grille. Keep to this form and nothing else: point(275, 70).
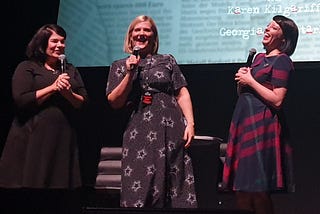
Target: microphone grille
point(62, 57)
point(252, 51)
point(136, 48)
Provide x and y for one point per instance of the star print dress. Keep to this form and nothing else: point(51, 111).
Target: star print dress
point(156, 170)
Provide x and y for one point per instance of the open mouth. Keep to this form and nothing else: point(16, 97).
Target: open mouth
point(266, 36)
point(142, 38)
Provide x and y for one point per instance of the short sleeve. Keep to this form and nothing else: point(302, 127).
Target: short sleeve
point(116, 74)
point(282, 68)
point(178, 78)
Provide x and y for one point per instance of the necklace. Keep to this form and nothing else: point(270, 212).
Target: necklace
point(54, 71)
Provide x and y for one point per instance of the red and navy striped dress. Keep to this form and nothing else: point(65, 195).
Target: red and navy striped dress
point(258, 157)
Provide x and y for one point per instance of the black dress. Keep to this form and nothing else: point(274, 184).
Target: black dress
point(156, 170)
point(41, 149)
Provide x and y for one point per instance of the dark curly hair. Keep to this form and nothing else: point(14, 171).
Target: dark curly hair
point(36, 49)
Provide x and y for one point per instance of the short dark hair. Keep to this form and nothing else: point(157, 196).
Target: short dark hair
point(36, 49)
point(290, 33)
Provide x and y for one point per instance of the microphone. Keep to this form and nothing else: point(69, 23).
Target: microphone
point(252, 52)
point(62, 59)
point(135, 52)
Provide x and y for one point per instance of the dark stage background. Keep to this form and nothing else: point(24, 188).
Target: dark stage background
point(213, 93)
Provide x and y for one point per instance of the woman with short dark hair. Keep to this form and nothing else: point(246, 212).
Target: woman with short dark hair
point(258, 157)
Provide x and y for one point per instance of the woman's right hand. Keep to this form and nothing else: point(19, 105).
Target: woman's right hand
point(62, 82)
point(132, 62)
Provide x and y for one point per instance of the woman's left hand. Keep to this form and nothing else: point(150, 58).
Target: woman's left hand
point(188, 135)
point(243, 76)
point(63, 83)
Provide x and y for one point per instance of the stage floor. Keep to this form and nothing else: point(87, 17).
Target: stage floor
point(90, 201)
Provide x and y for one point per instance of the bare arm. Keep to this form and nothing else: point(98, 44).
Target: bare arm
point(273, 96)
point(185, 103)
point(118, 97)
point(45, 93)
point(62, 85)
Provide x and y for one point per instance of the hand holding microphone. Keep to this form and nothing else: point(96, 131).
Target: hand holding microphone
point(243, 75)
point(252, 52)
point(62, 82)
point(134, 59)
point(62, 59)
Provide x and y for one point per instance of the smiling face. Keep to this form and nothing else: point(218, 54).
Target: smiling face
point(143, 37)
point(273, 37)
point(56, 46)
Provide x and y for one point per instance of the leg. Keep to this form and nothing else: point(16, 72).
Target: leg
point(263, 203)
point(244, 201)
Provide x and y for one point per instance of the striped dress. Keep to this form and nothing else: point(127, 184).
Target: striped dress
point(259, 157)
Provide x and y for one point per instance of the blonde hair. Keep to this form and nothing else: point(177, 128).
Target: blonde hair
point(128, 47)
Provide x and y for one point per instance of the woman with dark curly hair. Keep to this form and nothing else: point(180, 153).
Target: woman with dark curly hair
point(41, 150)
